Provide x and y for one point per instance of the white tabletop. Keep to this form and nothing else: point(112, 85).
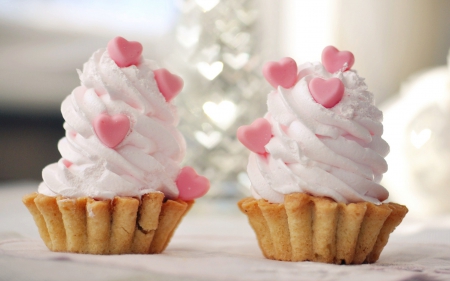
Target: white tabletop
point(214, 242)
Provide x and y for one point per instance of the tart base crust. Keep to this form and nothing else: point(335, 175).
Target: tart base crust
point(308, 228)
point(123, 225)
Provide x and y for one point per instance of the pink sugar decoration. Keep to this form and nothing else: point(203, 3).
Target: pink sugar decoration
point(124, 52)
point(111, 130)
point(191, 185)
point(327, 92)
point(256, 135)
point(282, 73)
point(168, 84)
point(334, 60)
point(67, 163)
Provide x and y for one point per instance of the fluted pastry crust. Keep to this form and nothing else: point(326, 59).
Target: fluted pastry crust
point(308, 228)
point(123, 225)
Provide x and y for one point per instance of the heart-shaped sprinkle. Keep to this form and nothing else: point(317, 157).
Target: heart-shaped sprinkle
point(327, 92)
point(190, 184)
point(111, 130)
point(124, 52)
point(282, 73)
point(256, 135)
point(168, 84)
point(335, 60)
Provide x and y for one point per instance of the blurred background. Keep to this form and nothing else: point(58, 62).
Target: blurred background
point(218, 47)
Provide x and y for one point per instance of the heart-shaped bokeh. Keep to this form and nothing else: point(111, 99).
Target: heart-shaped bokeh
point(281, 73)
point(334, 60)
point(123, 52)
point(210, 71)
point(256, 135)
point(191, 185)
point(111, 130)
point(208, 140)
point(168, 84)
point(326, 92)
point(223, 114)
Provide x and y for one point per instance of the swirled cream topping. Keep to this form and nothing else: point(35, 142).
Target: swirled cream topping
point(148, 155)
point(333, 152)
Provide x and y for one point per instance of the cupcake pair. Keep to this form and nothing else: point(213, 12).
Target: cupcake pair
point(316, 160)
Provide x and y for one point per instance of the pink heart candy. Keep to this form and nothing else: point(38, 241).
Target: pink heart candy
point(256, 135)
point(327, 92)
point(190, 184)
point(168, 84)
point(124, 52)
point(111, 130)
point(334, 60)
point(282, 73)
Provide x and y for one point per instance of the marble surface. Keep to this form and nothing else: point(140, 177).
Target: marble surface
point(214, 242)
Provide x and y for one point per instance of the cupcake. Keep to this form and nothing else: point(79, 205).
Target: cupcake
point(316, 161)
point(118, 187)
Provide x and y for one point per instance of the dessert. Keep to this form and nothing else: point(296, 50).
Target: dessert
point(118, 187)
point(316, 161)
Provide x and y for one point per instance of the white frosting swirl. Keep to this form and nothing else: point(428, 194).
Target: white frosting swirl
point(147, 160)
point(334, 152)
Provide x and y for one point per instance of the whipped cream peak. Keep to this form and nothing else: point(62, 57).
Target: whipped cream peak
point(331, 149)
point(121, 136)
